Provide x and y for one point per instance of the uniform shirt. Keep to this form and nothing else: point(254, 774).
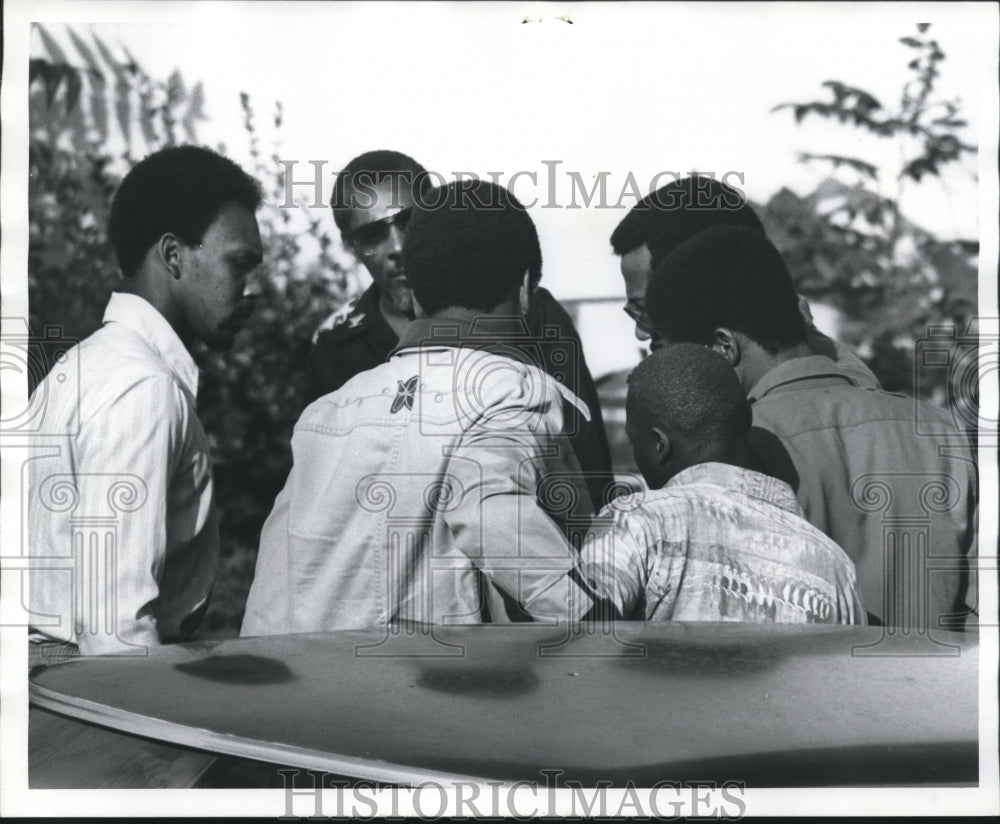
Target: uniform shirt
point(435, 488)
point(359, 338)
point(120, 507)
point(719, 543)
point(881, 474)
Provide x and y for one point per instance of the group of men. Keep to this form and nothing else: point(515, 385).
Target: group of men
point(452, 456)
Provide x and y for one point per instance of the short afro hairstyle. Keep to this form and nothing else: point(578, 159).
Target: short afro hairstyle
point(180, 190)
point(370, 169)
point(727, 276)
point(675, 213)
point(470, 247)
point(690, 391)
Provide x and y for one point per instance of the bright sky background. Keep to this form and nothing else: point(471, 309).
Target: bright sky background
point(634, 87)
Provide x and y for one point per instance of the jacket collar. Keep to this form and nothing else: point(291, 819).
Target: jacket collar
point(816, 369)
point(139, 316)
point(503, 335)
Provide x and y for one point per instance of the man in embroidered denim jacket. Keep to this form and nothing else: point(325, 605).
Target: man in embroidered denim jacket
point(433, 487)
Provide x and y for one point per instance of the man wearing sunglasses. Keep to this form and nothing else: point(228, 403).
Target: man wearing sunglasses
point(372, 201)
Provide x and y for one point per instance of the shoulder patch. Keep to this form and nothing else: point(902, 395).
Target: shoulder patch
point(348, 316)
point(404, 394)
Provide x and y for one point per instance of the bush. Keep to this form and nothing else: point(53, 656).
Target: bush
point(250, 397)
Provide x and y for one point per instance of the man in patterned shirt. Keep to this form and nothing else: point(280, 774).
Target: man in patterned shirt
point(714, 540)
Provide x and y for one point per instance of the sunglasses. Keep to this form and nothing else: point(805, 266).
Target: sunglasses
point(368, 238)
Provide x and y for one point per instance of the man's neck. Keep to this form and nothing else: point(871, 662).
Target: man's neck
point(147, 288)
point(734, 453)
point(757, 362)
point(397, 320)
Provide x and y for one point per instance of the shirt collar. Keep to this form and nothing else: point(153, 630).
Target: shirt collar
point(467, 328)
point(503, 335)
point(138, 315)
point(811, 367)
point(738, 479)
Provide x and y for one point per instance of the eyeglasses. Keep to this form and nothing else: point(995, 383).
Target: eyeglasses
point(638, 314)
point(369, 237)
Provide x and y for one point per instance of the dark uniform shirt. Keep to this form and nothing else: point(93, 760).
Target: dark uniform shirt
point(360, 339)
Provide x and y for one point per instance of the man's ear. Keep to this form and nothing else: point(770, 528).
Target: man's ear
point(524, 293)
point(663, 445)
point(168, 250)
point(726, 343)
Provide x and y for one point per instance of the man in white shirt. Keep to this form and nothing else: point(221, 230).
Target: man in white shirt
point(122, 523)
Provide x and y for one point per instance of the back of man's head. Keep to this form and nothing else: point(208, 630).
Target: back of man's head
point(356, 180)
point(693, 394)
point(675, 213)
point(178, 190)
point(469, 246)
point(726, 277)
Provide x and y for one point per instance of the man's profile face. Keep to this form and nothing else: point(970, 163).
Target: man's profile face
point(636, 267)
point(217, 290)
point(376, 225)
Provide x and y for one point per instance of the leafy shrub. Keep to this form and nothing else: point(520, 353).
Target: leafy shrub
point(250, 397)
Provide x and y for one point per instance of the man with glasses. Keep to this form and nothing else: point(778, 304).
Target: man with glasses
point(671, 216)
point(372, 202)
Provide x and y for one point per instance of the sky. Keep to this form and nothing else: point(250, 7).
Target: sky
point(624, 88)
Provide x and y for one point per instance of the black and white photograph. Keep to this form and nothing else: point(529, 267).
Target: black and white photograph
point(499, 409)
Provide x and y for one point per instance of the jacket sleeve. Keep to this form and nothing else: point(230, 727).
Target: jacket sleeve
point(500, 525)
point(128, 451)
point(615, 564)
point(563, 353)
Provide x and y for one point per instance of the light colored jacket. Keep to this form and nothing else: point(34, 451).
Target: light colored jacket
point(425, 490)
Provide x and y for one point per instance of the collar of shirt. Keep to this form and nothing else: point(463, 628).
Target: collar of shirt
point(503, 335)
point(738, 479)
point(138, 315)
point(816, 368)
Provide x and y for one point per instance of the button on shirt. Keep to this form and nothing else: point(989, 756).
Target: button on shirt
point(123, 529)
point(719, 543)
